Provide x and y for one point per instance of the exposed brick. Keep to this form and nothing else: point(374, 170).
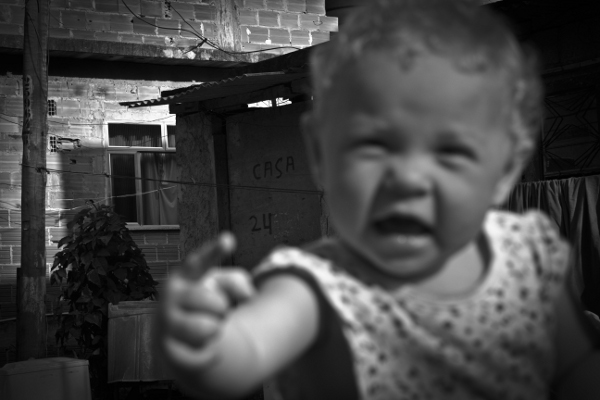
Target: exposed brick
point(296, 5)
point(182, 11)
point(17, 14)
point(168, 27)
point(11, 106)
point(248, 17)
point(87, 35)
point(56, 87)
point(11, 29)
point(205, 12)
point(151, 8)
point(255, 4)
point(5, 13)
point(126, 92)
point(77, 88)
point(11, 144)
point(244, 30)
point(279, 36)
point(256, 46)
point(319, 37)
point(328, 24)
point(154, 40)
point(9, 87)
point(210, 30)
point(309, 21)
point(107, 36)
point(275, 5)
point(134, 5)
point(59, 33)
point(125, 38)
point(15, 2)
point(5, 255)
point(111, 6)
point(121, 23)
point(69, 108)
point(54, 19)
point(184, 42)
point(258, 35)
point(98, 22)
point(268, 18)
point(9, 125)
point(81, 4)
point(315, 6)
point(289, 20)
point(145, 28)
point(192, 29)
point(74, 20)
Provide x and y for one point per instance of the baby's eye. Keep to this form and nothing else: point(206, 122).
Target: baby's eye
point(456, 151)
point(370, 146)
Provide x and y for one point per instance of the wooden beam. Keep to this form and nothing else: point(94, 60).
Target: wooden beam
point(31, 276)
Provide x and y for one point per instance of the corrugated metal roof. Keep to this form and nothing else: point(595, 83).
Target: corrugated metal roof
point(241, 84)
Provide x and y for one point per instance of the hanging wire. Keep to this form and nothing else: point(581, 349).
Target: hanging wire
point(201, 37)
point(201, 184)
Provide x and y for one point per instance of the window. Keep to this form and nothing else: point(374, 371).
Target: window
point(143, 171)
point(51, 108)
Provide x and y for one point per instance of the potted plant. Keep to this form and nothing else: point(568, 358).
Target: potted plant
point(101, 264)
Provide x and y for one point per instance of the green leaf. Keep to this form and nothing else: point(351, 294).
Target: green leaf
point(95, 319)
point(121, 273)
point(64, 240)
point(103, 253)
point(61, 273)
point(94, 278)
point(106, 238)
point(98, 301)
point(100, 264)
point(113, 297)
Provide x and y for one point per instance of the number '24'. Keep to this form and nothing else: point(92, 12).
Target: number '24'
point(266, 223)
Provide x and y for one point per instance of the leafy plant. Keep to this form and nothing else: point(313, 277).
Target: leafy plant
point(101, 264)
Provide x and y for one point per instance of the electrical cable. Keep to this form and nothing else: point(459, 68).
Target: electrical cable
point(203, 38)
point(201, 184)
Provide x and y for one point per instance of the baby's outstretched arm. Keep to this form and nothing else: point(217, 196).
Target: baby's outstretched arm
point(222, 337)
point(578, 375)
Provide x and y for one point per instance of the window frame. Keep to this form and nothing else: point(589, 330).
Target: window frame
point(136, 150)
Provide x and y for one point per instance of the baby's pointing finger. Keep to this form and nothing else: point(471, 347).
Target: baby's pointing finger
point(194, 296)
point(235, 282)
point(208, 255)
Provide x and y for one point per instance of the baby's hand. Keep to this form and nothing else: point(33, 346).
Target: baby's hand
point(195, 304)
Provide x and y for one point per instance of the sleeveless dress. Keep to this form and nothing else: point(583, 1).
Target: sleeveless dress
point(494, 343)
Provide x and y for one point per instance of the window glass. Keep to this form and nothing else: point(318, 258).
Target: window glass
point(171, 135)
point(143, 182)
point(134, 135)
point(123, 185)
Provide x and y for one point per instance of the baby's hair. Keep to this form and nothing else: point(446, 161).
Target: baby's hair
point(474, 38)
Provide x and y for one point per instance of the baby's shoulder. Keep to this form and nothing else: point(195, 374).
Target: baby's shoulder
point(531, 235)
point(315, 258)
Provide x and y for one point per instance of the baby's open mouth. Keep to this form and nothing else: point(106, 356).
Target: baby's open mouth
point(402, 225)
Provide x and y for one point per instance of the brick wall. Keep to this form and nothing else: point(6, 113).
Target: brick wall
point(177, 24)
point(82, 108)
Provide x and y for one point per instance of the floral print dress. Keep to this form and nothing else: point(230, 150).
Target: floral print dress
point(494, 343)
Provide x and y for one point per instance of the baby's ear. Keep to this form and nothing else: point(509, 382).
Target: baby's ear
point(313, 150)
point(513, 170)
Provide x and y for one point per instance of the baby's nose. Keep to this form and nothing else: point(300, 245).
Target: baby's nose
point(407, 177)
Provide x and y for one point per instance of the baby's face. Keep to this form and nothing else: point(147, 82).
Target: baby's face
point(411, 160)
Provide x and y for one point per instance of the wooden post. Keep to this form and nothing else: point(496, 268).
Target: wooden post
point(31, 276)
point(229, 35)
